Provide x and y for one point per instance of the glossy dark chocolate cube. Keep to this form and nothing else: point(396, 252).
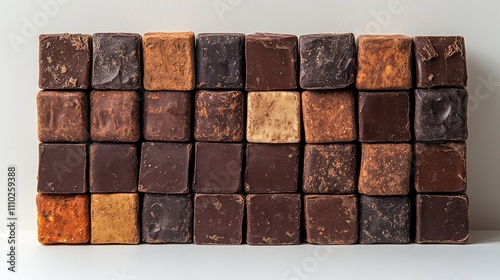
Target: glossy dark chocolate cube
point(441, 114)
point(62, 116)
point(440, 61)
point(167, 218)
point(116, 61)
point(330, 168)
point(273, 219)
point(167, 116)
point(62, 168)
point(218, 218)
point(113, 168)
point(220, 60)
point(164, 167)
point(217, 168)
point(327, 61)
point(440, 168)
point(271, 61)
point(272, 168)
point(384, 219)
point(64, 61)
point(219, 116)
point(442, 218)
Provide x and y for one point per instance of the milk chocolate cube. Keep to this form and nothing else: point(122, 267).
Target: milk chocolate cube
point(385, 169)
point(273, 117)
point(220, 60)
point(272, 168)
point(167, 116)
point(327, 61)
point(273, 219)
point(218, 218)
point(441, 114)
point(64, 61)
point(167, 218)
point(169, 61)
point(62, 168)
point(116, 61)
point(442, 218)
point(62, 116)
point(440, 61)
point(114, 218)
point(331, 219)
point(271, 61)
point(114, 116)
point(164, 167)
point(329, 116)
point(63, 218)
point(384, 219)
point(384, 116)
point(219, 116)
point(384, 62)
point(330, 168)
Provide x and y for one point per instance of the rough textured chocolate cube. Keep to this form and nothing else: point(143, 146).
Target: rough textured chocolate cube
point(329, 116)
point(164, 167)
point(442, 218)
point(330, 168)
point(114, 218)
point(167, 116)
point(218, 218)
point(64, 61)
point(273, 219)
point(441, 114)
point(220, 61)
point(384, 116)
point(63, 218)
point(440, 61)
point(273, 117)
point(62, 116)
point(114, 116)
point(167, 218)
point(327, 61)
point(62, 168)
point(271, 61)
point(217, 168)
point(219, 116)
point(385, 169)
point(384, 219)
point(116, 61)
point(169, 61)
point(331, 219)
point(384, 62)
point(113, 168)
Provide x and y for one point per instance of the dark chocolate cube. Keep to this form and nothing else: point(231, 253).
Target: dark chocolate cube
point(272, 168)
point(218, 218)
point(64, 61)
point(327, 61)
point(62, 168)
point(167, 218)
point(384, 219)
point(220, 60)
point(113, 168)
point(164, 167)
point(271, 61)
point(217, 168)
point(441, 114)
point(330, 168)
point(384, 116)
point(116, 61)
point(273, 219)
point(219, 116)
